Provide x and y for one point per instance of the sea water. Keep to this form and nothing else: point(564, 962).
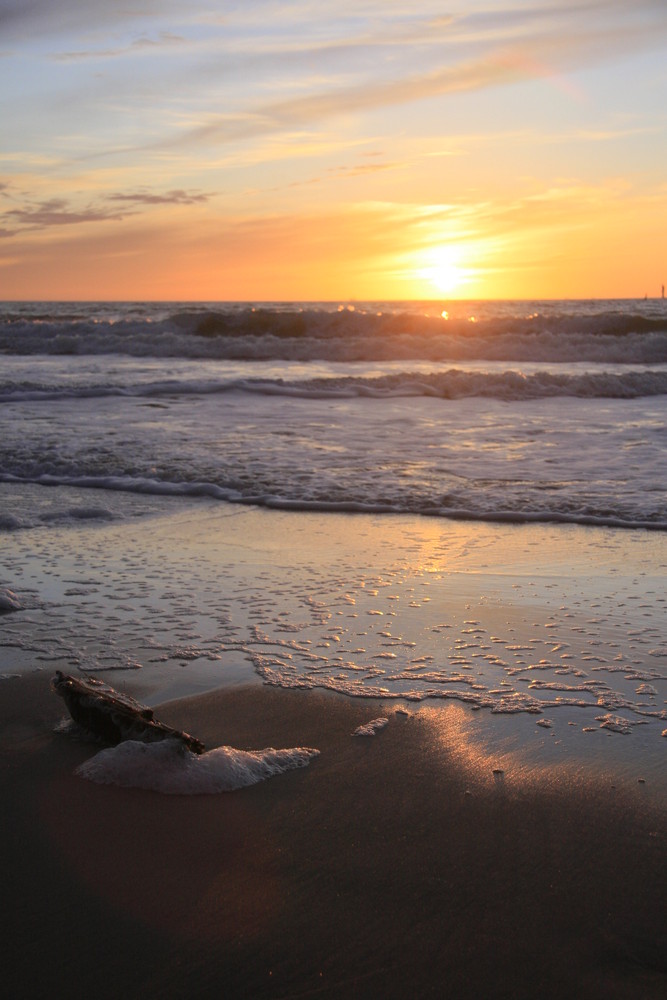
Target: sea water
point(547, 411)
point(545, 416)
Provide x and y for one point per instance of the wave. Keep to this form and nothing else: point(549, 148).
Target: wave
point(68, 515)
point(483, 508)
point(478, 332)
point(450, 384)
point(459, 384)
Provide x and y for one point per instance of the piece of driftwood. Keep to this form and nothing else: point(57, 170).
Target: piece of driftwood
point(114, 717)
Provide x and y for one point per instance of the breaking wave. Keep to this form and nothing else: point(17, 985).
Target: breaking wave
point(588, 331)
point(451, 384)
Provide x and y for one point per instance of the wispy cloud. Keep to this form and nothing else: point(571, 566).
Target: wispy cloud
point(56, 212)
point(178, 197)
point(559, 40)
point(300, 112)
point(28, 18)
point(165, 41)
point(359, 59)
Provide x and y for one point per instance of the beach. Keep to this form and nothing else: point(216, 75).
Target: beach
point(401, 568)
point(462, 850)
point(333, 501)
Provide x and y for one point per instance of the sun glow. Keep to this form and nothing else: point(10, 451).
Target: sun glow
point(444, 269)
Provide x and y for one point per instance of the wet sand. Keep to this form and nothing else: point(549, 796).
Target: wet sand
point(398, 866)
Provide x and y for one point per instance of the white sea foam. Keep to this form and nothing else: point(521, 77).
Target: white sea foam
point(371, 728)
point(618, 723)
point(9, 601)
point(167, 768)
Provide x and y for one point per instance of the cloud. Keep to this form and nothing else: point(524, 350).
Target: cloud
point(55, 212)
point(302, 111)
point(165, 41)
point(532, 44)
point(360, 169)
point(567, 205)
point(177, 197)
point(28, 18)
point(355, 59)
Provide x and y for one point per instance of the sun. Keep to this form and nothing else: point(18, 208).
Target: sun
point(444, 269)
point(441, 268)
point(437, 270)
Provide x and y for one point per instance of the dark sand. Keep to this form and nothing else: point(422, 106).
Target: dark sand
point(387, 868)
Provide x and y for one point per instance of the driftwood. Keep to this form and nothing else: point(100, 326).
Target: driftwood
point(114, 717)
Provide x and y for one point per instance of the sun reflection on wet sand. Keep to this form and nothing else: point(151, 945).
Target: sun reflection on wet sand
point(500, 755)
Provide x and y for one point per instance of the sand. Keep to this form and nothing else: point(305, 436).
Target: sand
point(385, 868)
point(454, 853)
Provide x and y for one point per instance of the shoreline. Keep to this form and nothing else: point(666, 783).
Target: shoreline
point(541, 633)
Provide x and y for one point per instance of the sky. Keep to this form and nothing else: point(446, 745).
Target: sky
point(356, 150)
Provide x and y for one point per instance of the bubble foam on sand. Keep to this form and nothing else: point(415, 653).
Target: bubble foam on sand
point(522, 664)
point(371, 728)
point(167, 768)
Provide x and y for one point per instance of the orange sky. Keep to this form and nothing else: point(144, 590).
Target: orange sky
point(313, 151)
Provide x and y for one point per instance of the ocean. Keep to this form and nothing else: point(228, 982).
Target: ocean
point(492, 411)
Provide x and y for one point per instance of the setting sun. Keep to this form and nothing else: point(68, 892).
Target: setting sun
point(444, 269)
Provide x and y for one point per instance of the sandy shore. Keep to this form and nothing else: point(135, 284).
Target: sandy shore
point(459, 852)
point(391, 866)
